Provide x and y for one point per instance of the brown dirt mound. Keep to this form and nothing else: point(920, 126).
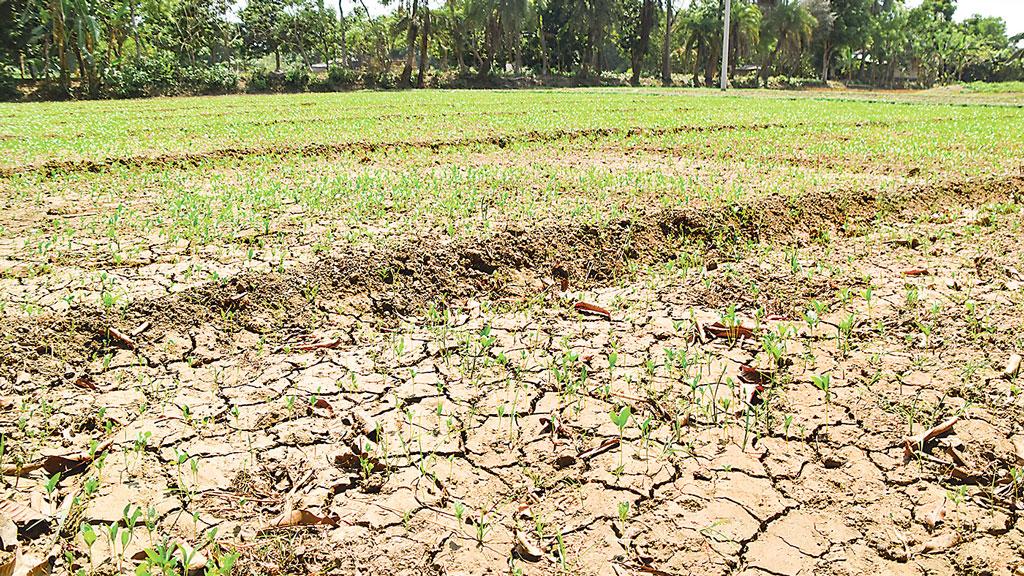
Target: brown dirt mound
point(513, 264)
point(56, 167)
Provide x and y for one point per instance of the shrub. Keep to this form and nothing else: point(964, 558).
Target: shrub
point(216, 79)
point(8, 88)
point(746, 81)
point(341, 76)
point(149, 75)
point(297, 77)
point(261, 80)
point(794, 83)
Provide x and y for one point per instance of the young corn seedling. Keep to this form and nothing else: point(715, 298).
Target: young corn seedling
point(824, 383)
point(620, 418)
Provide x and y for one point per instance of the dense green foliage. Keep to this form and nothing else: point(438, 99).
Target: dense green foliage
point(125, 48)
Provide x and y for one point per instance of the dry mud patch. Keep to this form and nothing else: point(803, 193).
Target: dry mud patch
point(359, 429)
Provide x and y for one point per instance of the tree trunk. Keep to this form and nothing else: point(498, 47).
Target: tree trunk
point(697, 60)
point(341, 24)
point(545, 69)
point(81, 65)
point(423, 47)
point(410, 43)
point(640, 45)
point(277, 59)
point(46, 57)
point(491, 34)
point(60, 40)
point(92, 64)
point(824, 63)
point(135, 31)
point(771, 59)
point(666, 65)
point(711, 65)
point(456, 38)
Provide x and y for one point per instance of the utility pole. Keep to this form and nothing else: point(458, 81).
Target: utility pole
point(725, 45)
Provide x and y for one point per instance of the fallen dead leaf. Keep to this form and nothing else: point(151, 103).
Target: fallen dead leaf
point(916, 272)
point(936, 515)
point(940, 543)
point(317, 345)
point(196, 559)
point(140, 328)
point(1012, 366)
point(8, 533)
point(86, 382)
point(526, 549)
point(58, 462)
point(719, 330)
point(752, 375)
point(584, 308)
point(324, 405)
point(20, 514)
point(295, 518)
point(124, 339)
point(7, 568)
point(33, 565)
point(601, 448)
point(917, 441)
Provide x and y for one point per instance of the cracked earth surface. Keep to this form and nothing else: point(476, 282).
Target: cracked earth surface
point(480, 437)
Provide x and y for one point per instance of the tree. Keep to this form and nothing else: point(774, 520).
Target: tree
point(410, 43)
point(791, 24)
point(851, 28)
point(263, 26)
point(745, 30)
point(666, 40)
point(635, 33)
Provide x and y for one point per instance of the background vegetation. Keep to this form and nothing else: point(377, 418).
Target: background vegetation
point(131, 48)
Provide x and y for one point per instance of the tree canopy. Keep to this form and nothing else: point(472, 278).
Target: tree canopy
point(136, 47)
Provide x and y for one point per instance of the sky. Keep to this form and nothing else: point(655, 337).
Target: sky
point(1010, 10)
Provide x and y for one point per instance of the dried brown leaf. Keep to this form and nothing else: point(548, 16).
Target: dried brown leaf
point(526, 549)
point(33, 566)
point(918, 440)
point(936, 515)
point(585, 308)
point(324, 405)
point(1012, 366)
point(8, 532)
point(7, 568)
point(122, 338)
point(916, 272)
point(86, 382)
point(719, 330)
point(601, 448)
point(19, 513)
point(940, 543)
point(297, 518)
point(58, 463)
point(317, 345)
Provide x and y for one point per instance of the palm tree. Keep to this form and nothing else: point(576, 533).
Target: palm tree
point(792, 25)
point(410, 43)
point(744, 30)
point(703, 32)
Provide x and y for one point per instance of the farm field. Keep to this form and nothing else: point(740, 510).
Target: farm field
point(598, 331)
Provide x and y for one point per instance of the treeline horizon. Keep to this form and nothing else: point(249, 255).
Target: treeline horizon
point(131, 48)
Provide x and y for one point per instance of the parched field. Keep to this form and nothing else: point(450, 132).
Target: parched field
point(526, 332)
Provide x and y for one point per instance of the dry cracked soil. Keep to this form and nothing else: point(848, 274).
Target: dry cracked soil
point(780, 388)
point(484, 436)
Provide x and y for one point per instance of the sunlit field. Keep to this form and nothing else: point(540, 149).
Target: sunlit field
point(591, 331)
